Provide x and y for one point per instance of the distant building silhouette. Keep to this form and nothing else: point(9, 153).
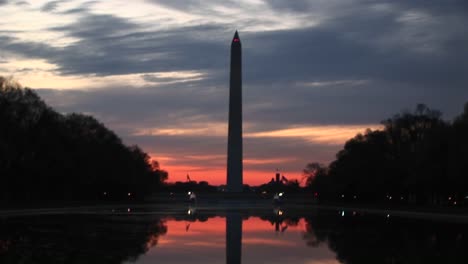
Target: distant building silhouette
point(234, 160)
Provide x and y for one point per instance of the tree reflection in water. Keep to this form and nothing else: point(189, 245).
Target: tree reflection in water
point(357, 238)
point(124, 237)
point(77, 238)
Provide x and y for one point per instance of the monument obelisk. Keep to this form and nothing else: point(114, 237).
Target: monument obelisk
point(234, 160)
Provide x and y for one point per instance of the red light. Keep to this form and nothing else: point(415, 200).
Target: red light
point(235, 40)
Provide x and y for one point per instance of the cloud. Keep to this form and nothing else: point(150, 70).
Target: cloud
point(296, 6)
point(195, 5)
point(246, 15)
point(110, 45)
point(328, 134)
point(157, 71)
point(22, 3)
point(51, 6)
point(332, 134)
point(201, 129)
point(173, 77)
point(363, 42)
point(18, 3)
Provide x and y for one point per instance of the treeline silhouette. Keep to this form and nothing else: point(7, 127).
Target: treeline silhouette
point(417, 158)
point(45, 155)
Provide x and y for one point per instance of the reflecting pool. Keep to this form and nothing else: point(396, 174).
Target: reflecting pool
point(217, 235)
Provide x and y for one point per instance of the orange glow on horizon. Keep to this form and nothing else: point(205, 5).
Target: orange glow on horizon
point(212, 167)
point(217, 176)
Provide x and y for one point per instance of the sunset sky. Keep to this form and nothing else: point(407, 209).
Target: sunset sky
point(315, 72)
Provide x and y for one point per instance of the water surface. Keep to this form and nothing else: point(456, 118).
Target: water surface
point(204, 235)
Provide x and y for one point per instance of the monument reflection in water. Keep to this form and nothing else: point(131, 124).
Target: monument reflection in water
point(233, 237)
point(132, 235)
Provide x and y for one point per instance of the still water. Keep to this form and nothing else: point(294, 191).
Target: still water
point(258, 235)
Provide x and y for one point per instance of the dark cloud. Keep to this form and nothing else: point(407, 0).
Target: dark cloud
point(194, 6)
point(326, 53)
point(296, 6)
point(18, 3)
point(76, 10)
point(50, 6)
point(94, 27)
point(352, 46)
point(27, 49)
point(110, 45)
point(83, 8)
point(340, 7)
point(435, 7)
point(22, 3)
point(160, 106)
point(54, 5)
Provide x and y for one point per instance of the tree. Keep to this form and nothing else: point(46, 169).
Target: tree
point(312, 171)
point(458, 160)
point(47, 155)
point(409, 157)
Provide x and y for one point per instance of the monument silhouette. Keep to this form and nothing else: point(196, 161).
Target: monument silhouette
point(234, 160)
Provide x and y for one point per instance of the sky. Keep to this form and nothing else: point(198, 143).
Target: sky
point(315, 72)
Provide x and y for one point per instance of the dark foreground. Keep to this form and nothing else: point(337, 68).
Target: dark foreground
point(244, 233)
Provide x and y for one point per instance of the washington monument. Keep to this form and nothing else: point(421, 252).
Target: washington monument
point(234, 160)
